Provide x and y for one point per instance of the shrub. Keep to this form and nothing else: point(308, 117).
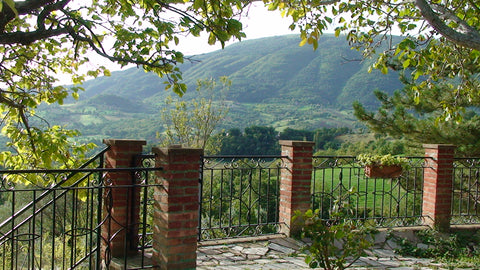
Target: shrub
point(335, 240)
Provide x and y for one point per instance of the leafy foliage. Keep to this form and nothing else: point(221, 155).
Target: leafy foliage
point(402, 117)
point(459, 249)
point(382, 160)
point(42, 39)
point(255, 140)
point(334, 240)
point(191, 123)
point(128, 103)
point(441, 45)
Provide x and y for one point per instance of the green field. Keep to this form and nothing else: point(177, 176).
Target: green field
point(369, 198)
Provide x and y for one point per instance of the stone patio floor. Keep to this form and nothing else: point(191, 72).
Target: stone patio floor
point(283, 253)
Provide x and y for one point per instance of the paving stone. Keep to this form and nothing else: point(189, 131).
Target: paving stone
point(384, 253)
point(263, 261)
point(256, 251)
point(209, 263)
point(228, 254)
point(288, 242)
point(387, 262)
point(275, 266)
point(369, 252)
point(381, 237)
point(422, 246)
point(202, 257)
point(298, 261)
point(211, 251)
point(237, 258)
point(280, 248)
point(392, 244)
point(253, 257)
point(370, 262)
point(274, 254)
point(219, 257)
point(238, 248)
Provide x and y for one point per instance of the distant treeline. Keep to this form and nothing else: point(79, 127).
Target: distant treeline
point(261, 140)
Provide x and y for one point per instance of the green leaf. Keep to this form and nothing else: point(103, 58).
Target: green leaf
point(303, 42)
point(337, 32)
point(197, 4)
point(273, 6)
point(212, 39)
point(384, 69)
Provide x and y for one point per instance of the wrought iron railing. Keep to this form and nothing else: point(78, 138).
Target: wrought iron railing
point(340, 180)
point(59, 227)
point(466, 191)
point(239, 196)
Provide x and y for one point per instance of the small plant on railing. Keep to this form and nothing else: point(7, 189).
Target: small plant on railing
point(338, 242)
point(384, 166)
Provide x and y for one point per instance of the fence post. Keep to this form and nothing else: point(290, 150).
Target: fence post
point(176, 207)
point(121, 209)
point(295, 183)
point(437, 185)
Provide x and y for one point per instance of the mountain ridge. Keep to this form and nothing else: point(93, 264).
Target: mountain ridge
point(275, 82)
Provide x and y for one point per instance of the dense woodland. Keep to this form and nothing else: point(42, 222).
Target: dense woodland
point(259, 140)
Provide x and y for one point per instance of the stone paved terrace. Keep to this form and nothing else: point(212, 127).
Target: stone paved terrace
point(283, 253)
point(279, 252)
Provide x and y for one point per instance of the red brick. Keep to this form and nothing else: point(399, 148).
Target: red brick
point(438, 184)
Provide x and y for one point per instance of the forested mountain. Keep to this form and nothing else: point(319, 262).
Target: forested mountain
point(275, 82)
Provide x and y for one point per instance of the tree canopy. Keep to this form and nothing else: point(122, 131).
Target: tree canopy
point(438, 59)
point(41, 39)
point(191, 123)
point(441, 44)
point(401, 117)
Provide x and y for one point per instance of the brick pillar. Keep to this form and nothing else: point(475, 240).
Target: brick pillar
point(437, 185)
point(295, 183)
point(176, 207)
point(121, 207)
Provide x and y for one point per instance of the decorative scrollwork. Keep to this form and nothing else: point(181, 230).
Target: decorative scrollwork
point(24, 237)
point(6, 183)
point(467, 163)
point(78, 232)
point(320, 162)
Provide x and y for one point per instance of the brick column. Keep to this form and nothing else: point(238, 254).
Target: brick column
point(295, 183)
point(121, 209)
point(176, 207)
point(437, 185)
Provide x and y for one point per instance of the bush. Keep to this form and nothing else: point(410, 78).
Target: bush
point(335, 240)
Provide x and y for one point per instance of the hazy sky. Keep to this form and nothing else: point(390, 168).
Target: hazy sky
point(259, 23)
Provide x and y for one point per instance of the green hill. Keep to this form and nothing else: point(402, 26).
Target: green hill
point(274, 83)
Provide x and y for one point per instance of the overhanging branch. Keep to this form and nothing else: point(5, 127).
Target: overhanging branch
point(26, 38)
point(469, 39)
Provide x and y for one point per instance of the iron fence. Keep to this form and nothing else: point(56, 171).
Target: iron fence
point(239, 196)
point(60, 226)
point(387, 202)
point(466, 191)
